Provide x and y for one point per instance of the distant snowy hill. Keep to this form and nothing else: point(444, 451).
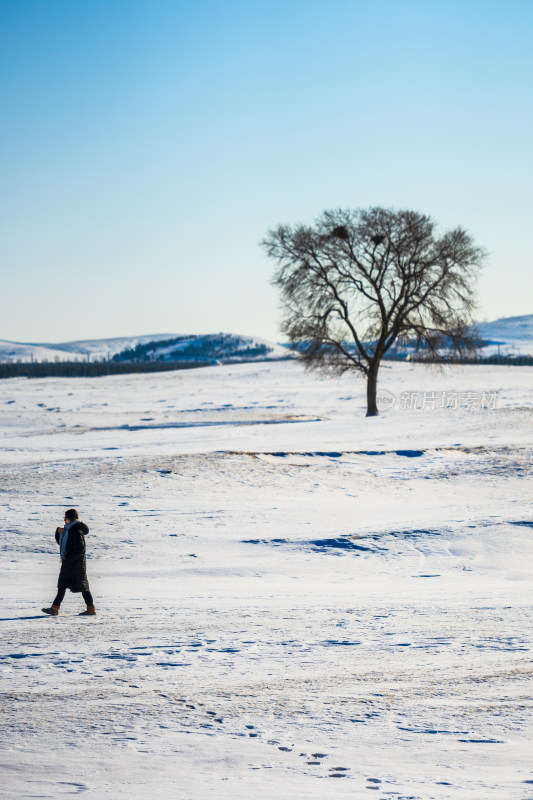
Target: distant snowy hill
point(507, 336)
point(104, 348)
point(159, 347)
point(208, 349)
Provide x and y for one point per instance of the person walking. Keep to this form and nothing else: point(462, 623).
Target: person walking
point(73, 573)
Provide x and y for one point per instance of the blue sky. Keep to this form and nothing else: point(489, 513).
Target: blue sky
point(148, 145)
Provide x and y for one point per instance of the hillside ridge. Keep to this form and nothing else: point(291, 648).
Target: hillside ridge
point(503, 336)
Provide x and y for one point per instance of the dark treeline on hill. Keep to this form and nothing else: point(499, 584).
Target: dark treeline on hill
point(178, 352)
point(95, 369)
point(516, 361)
point(147, 351)
point(84, 369)
point(423, 357)
point(201, 349)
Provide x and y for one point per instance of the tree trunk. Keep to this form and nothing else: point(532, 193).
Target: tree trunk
point(371, 389)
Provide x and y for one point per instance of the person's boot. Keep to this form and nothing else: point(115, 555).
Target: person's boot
point(54, 610)
point(90, 612)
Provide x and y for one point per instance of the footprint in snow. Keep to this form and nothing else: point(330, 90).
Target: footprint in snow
point(75, 788)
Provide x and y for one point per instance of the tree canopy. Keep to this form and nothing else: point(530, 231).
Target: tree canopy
point(360, 282)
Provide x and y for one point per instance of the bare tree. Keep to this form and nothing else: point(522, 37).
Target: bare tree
point(361, 282)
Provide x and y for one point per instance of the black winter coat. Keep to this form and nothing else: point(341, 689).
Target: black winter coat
point(73, 574)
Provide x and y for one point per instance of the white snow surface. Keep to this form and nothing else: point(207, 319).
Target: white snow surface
point(292, 599)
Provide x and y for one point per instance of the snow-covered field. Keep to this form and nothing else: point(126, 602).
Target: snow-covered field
point(287, 593)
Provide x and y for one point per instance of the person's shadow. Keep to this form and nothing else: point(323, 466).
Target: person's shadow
point(15, 619)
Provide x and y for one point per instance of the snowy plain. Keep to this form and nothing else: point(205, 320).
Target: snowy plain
point(292, 599)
